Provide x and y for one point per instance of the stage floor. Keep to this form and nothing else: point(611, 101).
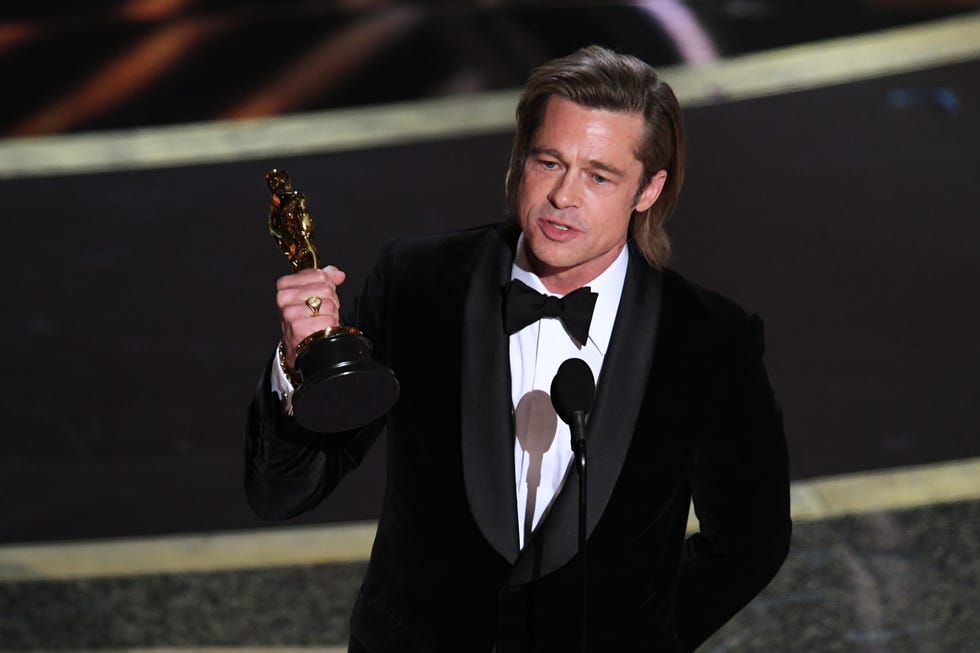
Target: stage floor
point(897, 581)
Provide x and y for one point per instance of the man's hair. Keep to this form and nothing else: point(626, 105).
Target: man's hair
point(598, 78)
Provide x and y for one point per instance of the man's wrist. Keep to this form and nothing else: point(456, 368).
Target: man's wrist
point(282, 383)
point(291, 375)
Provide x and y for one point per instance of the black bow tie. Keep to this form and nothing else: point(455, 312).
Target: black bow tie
point(524, 305)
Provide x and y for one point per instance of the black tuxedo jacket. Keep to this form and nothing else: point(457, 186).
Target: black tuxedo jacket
point(683, 408)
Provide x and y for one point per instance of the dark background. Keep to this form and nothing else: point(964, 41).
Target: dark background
point(139, 311)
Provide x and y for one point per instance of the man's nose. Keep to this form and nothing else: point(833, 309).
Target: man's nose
point(566, 192)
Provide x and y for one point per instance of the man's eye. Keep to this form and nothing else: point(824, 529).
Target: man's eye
point(599, 179)
point(550, 165)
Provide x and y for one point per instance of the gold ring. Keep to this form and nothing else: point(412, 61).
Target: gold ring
point(314, 304)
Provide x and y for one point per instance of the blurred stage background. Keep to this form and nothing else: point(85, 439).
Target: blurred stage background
point(832, 187)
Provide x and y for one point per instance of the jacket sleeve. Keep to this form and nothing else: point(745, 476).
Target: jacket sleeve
point(740, 488)
point(288, 469)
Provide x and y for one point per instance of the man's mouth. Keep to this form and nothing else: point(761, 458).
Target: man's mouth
point(558, 231)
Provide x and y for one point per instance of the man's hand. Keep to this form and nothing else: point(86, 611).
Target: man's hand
point(297, 318)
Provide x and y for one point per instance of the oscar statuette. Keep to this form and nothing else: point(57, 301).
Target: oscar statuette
point(341, 386)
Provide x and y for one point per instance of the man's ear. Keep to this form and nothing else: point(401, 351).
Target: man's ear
point(648, 196)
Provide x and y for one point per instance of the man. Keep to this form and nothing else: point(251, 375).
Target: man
point(476, 547)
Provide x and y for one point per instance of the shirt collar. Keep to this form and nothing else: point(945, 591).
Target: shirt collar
point(609, 285)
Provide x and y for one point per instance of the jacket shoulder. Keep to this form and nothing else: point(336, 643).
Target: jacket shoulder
point(709, 303)
point(717, 319)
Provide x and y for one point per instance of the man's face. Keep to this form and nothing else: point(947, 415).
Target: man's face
point(577, 192)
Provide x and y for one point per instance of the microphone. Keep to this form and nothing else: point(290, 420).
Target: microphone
point(572, 395)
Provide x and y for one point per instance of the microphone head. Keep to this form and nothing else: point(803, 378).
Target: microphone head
point(573, 389)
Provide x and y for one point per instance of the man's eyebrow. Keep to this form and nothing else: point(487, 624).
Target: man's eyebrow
point(599, 165)
point(544, 150)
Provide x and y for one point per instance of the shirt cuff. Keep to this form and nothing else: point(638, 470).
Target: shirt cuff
point(281, 385)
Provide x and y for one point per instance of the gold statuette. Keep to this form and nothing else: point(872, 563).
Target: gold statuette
point(341, 387)
point(290, 223)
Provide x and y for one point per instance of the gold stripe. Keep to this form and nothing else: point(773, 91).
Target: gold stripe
point(813, 499)
point(830, 62)
point(892, 489)
point(235, 140)
point(782, 70)
point(291, 545)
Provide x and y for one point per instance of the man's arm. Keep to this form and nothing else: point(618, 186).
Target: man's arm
point(740, 488)
point(289, 469)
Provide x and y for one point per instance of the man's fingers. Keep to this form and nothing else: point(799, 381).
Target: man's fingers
point(301, 278)
point(335, 274)
point(296, 297)
point(329, 274)
point(295, 290)
point(297, 316)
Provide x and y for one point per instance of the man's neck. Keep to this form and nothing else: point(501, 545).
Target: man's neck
point(562, 281)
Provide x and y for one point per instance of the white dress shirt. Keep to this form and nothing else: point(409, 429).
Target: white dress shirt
point(536, 352)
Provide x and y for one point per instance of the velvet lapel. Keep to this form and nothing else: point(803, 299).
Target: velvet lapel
point(619, 395)
point(487, 424)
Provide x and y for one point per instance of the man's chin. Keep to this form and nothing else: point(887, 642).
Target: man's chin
point(545, 262)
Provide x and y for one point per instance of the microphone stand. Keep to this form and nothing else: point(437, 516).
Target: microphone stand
point(578, 448)
point(572, 395)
